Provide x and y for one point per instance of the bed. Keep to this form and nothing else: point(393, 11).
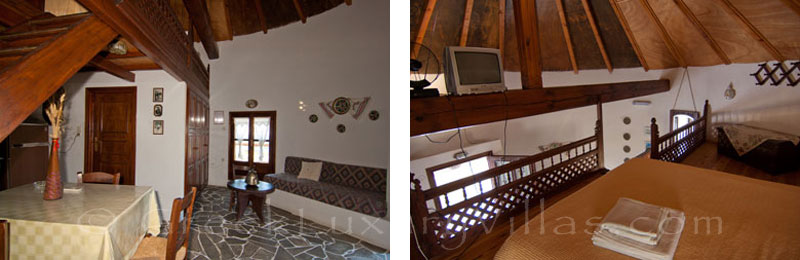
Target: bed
point(759, 219)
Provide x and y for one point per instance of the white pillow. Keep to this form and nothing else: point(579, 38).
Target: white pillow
point(310, 170)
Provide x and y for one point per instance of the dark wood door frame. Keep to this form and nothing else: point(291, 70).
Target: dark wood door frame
point(88, 159)
point(268, 168)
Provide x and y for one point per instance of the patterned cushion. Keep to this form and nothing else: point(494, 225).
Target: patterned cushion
point(367, 202)
point(359, 177)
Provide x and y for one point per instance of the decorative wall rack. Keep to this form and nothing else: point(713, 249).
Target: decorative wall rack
point(777, 73)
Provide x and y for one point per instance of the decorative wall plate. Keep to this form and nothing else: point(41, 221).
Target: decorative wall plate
point(313, 118)
point(341, 105)
point(341, 128)
point(374, 115)
point(730, 93)
point(626, 120)
point(158, 110)
point(252, 103)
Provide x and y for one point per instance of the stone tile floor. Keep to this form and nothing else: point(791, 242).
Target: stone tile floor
point(215, 234)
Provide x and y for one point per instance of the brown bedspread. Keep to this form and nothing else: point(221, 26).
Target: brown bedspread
point(760, 219)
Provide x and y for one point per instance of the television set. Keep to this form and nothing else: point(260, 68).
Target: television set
point(473, 70)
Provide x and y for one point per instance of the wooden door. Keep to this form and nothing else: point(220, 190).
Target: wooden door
point(252, 143)
point(111, 132)
point(197, 124)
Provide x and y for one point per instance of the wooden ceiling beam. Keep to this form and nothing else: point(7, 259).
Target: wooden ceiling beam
point(502, 25)
point(299, 9)
point(629, 34)
point(33, 79)
point(699, 26)
point(528, 43)
point(423, 26)
point(596, 33)
point(567, 39)
point(261, 16)
point(465, 23)
point(437, 114)
point(199, 17)
point(525, 20)
point(673, 49)
point(105, 64)
point(754, 32)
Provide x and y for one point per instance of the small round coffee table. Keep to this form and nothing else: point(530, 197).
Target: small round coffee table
point(255, 194)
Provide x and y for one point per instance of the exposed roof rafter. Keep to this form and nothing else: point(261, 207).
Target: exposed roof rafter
point(423, 26)
point(299, 10)
point(590, 17)
point(261, 18)
point(664, 34)
point(706, 35)
point(754, 32)
point(631, 38)
point(465, 23)
point(565, 29)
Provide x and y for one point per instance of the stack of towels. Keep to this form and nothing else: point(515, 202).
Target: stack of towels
point(640, 230)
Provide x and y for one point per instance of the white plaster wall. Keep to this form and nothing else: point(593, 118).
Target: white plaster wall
point(342, 52)
point(159, 158)
point(772, 107)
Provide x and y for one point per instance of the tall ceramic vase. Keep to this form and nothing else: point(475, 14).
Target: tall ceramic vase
point(52, 188)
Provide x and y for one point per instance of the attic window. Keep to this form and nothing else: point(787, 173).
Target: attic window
point(459, 169)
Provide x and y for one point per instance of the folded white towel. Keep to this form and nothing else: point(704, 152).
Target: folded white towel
point(668, 230)
point(635, 220)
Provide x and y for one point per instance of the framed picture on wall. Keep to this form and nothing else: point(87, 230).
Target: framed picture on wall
point(158, 94)
point(158, 127)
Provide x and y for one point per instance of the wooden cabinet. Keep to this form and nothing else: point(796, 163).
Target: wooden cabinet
point(197, 123)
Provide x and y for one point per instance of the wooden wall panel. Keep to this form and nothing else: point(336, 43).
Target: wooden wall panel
point(444, 27)
point(653, 49)
point(197, 140)
point(587, 54)
point(551, 38)
point(729, 34)
point(618, 47)
point(483, 27)
point(689, 41)
point(776, 21)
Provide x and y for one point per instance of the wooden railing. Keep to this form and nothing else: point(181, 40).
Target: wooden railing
point(676, 145)
point(498, 193)
point(153, 27)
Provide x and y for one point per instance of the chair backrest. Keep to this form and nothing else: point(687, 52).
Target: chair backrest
point(4, 240)
point(101, 177)
point(179, 228)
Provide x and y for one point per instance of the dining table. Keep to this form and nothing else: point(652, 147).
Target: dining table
point(98, 221)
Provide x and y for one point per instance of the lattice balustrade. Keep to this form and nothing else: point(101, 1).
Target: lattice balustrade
point(500, 192)
point(676, 145)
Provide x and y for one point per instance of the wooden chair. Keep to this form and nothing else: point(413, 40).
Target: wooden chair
point(177, 241)
point(5, 250)
point(101, 177)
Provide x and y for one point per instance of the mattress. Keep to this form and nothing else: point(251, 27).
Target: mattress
point(727, 216)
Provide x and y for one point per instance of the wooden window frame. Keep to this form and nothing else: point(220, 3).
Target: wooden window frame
point(270, 167)
point(434, 168)
point(673, 112)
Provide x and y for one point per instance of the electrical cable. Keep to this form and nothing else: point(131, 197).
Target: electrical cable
point(414, 230)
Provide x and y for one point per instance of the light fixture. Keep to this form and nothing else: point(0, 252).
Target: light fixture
point(641, 102)
point(118, 47)
point(219, 117)
point(460, 155)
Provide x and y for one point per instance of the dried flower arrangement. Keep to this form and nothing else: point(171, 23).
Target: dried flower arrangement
point(55, 112)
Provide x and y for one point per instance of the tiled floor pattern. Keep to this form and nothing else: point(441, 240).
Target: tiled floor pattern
point(215, 234)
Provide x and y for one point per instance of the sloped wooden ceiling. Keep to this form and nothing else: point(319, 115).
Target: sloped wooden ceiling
point(240, 17)
point(654, 34)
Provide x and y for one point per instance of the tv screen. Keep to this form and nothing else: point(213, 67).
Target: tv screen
point(478, 68)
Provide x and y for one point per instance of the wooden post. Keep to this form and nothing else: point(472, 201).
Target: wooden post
point(653, 139)
point(528, 43)
point(419, 213)
point(706, 118)
point(598, 131)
